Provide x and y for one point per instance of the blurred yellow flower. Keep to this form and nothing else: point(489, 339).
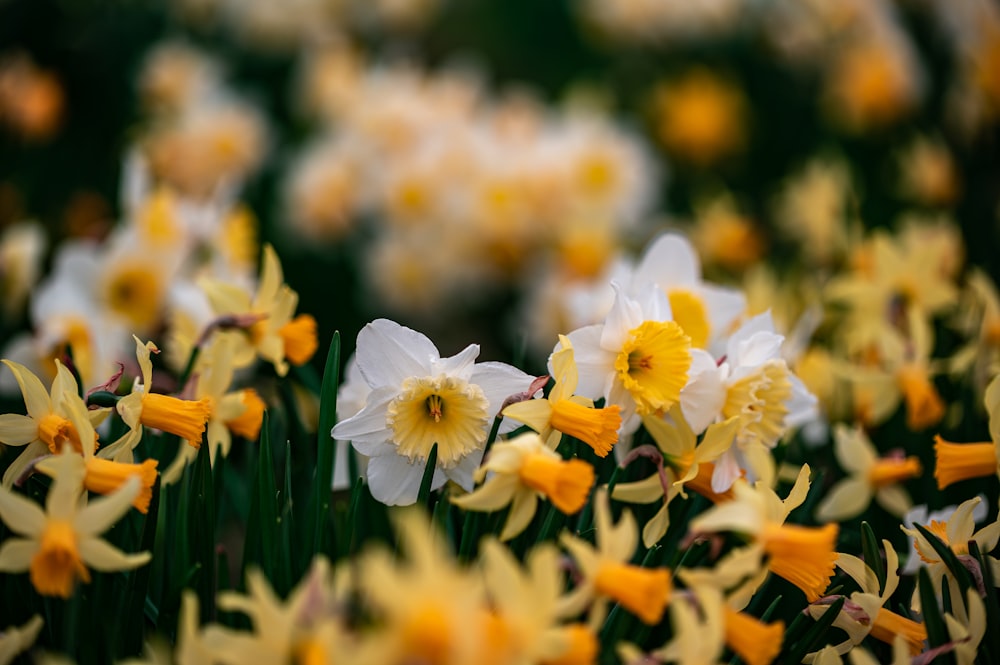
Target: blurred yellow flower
point(700, 117)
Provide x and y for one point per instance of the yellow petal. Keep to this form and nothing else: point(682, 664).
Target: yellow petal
point(494, 494)
point(102, 556)
point(522, 510)
point(98, 516)
point(16, 555)
point(17, 430)
point(535, 413)
point(36, 398)
point(845, 500)
point(640, 491)
point(21, 514)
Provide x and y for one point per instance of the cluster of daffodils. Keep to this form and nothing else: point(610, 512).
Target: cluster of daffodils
point(467, 191)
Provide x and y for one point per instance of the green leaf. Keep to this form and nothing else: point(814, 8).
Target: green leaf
point(325, 449)
point(262, 531)
point(936, 632)
point(423, 496)
point(813, 637)
point(139, 583)
point(949, 559)
point(873, 554)
point(990, 646)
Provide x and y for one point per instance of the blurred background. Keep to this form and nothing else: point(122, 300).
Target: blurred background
point(479, 169)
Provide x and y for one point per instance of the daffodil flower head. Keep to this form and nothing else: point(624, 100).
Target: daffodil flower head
point(955, 462)
point(417, 400)
point(565, 413)
point(870, 476)
point(185, 418)
point(59, 543)
point(638, 359)
point(524, 468)
point(607, 573)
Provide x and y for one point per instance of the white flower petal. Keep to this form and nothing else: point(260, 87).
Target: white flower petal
point(498, 382)
point(388, 353)
point(16, 554)
point(704, 395)
point(394, 481)
point(593, 363)
point(368, 424)
point(759, 323)
point(757, 349)
point(459, 365)
point(625, 315)
point(669, 260)
point(21, 514)
point(724, 307)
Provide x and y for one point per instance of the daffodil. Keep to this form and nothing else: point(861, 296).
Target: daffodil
point(565, 413)
point(56, 545)
point(753, 384)
point(419, 399)
point(237, 412)
point(802, 555)
point(704, 311)
point(524, 468)
point(47, 425)
point(275, 336)
point(607, 574)
point(869, 476)
point(698, 636)
point(866, 613)
point(526, 602)
point(638, 359)
point(689, 465)
point(184, 418)
point(955, 533)
point(955, 462)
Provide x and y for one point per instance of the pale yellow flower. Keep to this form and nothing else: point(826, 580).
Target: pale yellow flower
point(59, 543)
point(17, 639)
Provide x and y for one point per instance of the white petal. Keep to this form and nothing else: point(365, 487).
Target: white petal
point(460, 364)
point(669, 260)
point(369, 423)
point(759, 323)
point(100, 555)
point(388, 353)
point(704, 395)
point(462, 473)
point(757, 349)
point(803, 406)
point(394, 481)
point(653, 304)
point(498, 382)
point(593, 363)
point(724, 307)
point(625, 315)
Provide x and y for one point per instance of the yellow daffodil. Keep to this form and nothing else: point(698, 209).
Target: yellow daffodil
point(565, 413)
point(526, 603)
point(866, 613)
point(240, 412)
point(955, 462)
point(870, 476)
point(955, 534)
point(524, 468)
point(608, 575)
point(275, 336)
point(967, 634)
point(59, 543)
point(184, 418)
point(689, 465)
point(802, 555)
point(48, 425)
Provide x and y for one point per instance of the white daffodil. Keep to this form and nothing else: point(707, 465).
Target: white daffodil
point(418, 399)
point(706, 312)
point(638, 359)
point(753, 383)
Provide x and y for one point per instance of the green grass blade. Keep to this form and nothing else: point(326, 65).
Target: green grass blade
point(325, 448)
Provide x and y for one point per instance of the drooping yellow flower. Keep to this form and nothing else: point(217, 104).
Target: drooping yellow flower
point(184, 418)
point(802, 555)
point(955, 462)
point(59, 543)
point(607, 575)
point(47, 425)
point(276, 336)
point(566, 413)
point(524, 468)
point(871, 616)
point(869, 476)
point(687, 462)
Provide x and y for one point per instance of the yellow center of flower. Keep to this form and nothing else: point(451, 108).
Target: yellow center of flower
point(597, 174)
point(157, 218)
point(924, 407)
point(56, 565)
point(691, 315)
point(644, 592)
point(756, 642)
point(598, 428)
point(299, 336)
point(135, 292)
point(802, 555)
point(565, 482)
point(54, 430)
point(310, 652)
point(760, 402)
point(890, 471)
point(888, 625)
point(105, 476)
point(185, 418)
point(961, 461)
point(581, 648)
point(248, 423)
point(445, 410)
point(939, 529)
point(653, 365)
